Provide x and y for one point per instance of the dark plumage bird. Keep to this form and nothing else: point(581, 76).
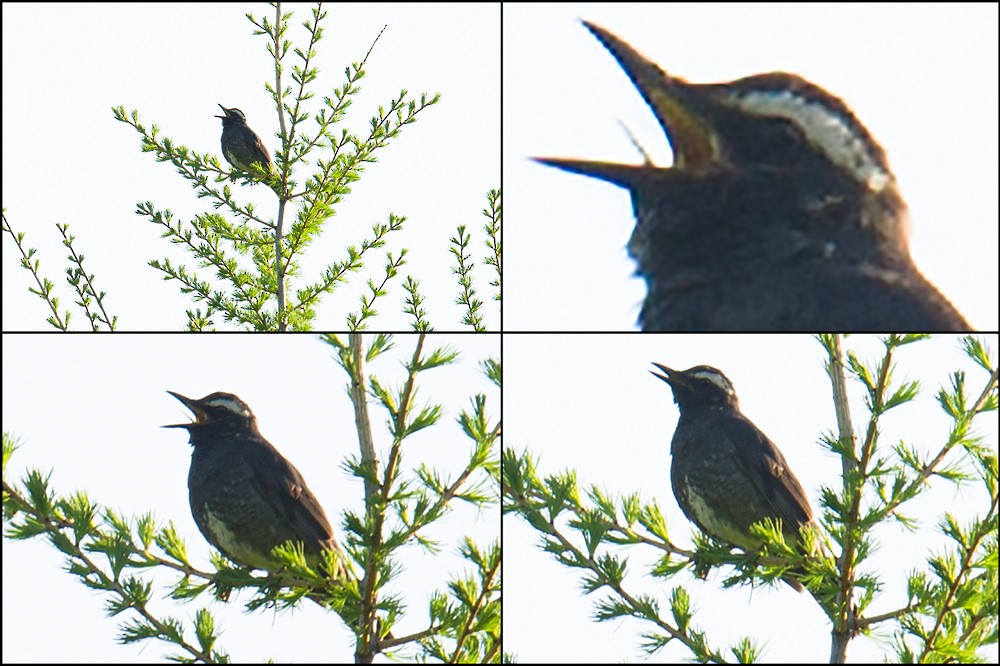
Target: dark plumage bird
point(726, 474)
point(246, 498)
point(241, 146)
point(779, 213)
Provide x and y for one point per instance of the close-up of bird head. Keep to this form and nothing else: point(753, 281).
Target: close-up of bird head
point(232, 117)
point(698, 387)
point(216, 411)
point(768, 122)
point(780, 211)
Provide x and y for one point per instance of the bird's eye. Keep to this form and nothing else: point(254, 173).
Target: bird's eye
point(782, 130)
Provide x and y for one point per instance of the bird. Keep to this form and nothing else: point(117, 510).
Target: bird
point(726, 474)
point(241, 146)
point(780, 211)
point(246, 498)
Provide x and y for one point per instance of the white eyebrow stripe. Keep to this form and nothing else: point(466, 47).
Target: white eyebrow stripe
point(715, 379)
point(824, 129)
point(234, 407)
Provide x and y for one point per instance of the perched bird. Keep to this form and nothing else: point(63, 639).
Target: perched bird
point(779, 213)
point(246, 498)
point(241, 146)
point(726, 474)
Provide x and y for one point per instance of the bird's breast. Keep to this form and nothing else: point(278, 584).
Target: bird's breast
point(703, 510)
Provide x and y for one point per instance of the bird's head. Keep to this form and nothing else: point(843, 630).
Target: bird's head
point(232, 117)
point(775, 122)
point(216, 410)
point(699, 387)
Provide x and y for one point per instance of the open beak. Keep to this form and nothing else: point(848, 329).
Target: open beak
point(193, 405)
point(679, 106)
point(668, 373)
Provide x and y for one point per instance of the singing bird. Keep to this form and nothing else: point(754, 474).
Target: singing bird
point(779, 213)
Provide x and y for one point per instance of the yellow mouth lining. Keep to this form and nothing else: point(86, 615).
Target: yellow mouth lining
point(691, 138)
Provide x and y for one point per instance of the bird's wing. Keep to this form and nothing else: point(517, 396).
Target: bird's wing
point(260, 146)
point(765, 467)
point(285, 488)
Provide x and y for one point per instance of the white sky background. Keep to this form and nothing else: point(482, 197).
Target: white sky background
point(588, 403)
point(89, 408)
point(67, 160)
point(923, 79)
